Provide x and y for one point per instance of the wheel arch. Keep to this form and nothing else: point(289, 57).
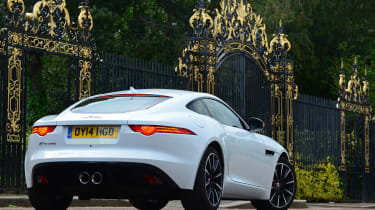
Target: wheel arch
point(215, 144)
point(284, 155)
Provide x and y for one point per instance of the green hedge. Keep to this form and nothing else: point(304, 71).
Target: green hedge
point(320, 184)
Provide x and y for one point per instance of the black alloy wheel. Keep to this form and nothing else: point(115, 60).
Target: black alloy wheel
point(283, 189)
point(283, 186)
point(208, 188)
point(214, 179)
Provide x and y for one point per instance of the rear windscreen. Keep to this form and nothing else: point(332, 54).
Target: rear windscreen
point(117, 104)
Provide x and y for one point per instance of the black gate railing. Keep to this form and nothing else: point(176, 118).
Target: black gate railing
point(117, 72)
point(317, 137)
point(316, 130)
point(369, 179)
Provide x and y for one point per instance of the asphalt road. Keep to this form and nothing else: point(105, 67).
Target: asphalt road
point(177, 208)
point(130, 208)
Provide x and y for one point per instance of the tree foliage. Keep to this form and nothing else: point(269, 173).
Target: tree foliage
point(322, 33)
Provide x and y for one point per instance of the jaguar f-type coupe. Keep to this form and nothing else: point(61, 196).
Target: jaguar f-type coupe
point(154, 145)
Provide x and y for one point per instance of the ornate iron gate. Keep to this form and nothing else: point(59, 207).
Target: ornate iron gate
point(236, 29)
point(117, 73)
point(355, 112)
point(47, 29)
point(243, 85)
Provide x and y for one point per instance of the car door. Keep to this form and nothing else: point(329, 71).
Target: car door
point(246, 152)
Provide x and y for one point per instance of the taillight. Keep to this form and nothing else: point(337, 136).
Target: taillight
point(148, 130)
point(133, 95)
point(43, 130)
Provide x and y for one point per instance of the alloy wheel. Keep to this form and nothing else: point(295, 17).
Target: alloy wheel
point(283, 186)
point(213, 179)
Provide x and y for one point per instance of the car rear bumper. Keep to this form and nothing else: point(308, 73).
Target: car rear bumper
point(181, 171)
point(118, 180)
point(170, 153)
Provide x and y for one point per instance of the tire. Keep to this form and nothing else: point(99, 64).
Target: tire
point(208, 186)
point(144, 204)
point(284, 187)
point(41, 200)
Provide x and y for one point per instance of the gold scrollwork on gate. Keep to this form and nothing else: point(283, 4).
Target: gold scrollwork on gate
point(3, 36)
point(14, 5)
point(84, 79)
point(211, 67)
point(283, 91)
point(2, 48)
point(15, 38)
point(36, 19)
point(17, 8)
point(13, 126)
point(211, 80)
point(280, 41)
point(35, 42)
point(343, 141)
point(85, 52)
point(277, 116)
point(235, 20)
point(85, 22)
point(200, 20)
point(289, 119)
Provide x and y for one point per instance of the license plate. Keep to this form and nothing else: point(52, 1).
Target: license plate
point(92, 132)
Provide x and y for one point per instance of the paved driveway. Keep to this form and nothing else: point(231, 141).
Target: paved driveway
point(172, 208)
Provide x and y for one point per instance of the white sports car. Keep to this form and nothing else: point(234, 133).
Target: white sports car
point(151, 146)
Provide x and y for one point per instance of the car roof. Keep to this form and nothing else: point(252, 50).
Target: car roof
point(165, 92)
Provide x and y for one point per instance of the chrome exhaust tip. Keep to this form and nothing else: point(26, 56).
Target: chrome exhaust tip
point(84, 178)
point(96, 178)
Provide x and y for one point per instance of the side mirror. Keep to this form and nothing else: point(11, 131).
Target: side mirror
point(256, 124)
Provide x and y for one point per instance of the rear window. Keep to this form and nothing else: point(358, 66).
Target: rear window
point(118, 104)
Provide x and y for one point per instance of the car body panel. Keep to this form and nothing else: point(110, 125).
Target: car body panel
point(249, 151)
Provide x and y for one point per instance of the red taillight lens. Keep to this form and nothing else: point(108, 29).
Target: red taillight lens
point(133, 95)
point(148, 130)
point(151, 180)
point(43, 179)
point(43, 130)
